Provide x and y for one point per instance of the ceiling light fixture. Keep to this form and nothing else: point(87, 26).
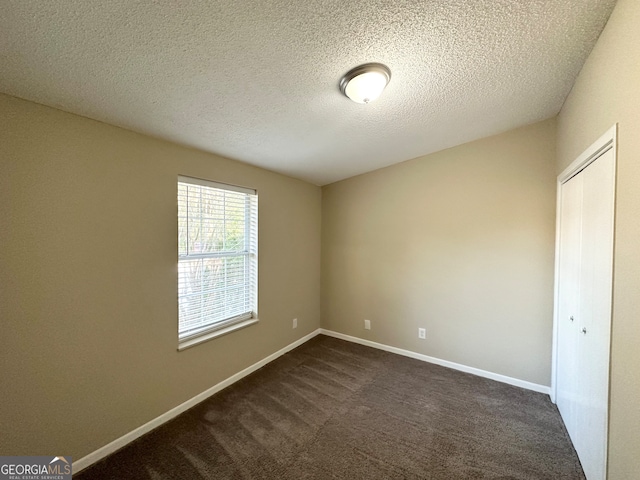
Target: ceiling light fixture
point(365, 83)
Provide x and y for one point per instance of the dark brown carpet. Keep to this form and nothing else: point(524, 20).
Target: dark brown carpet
point(333, 409)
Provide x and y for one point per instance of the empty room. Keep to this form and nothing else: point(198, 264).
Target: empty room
point(284, 240)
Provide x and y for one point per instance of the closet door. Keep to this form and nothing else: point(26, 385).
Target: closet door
point(569, 299)
point(583, 322)
point(594, 315)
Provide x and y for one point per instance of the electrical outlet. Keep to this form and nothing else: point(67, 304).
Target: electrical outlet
point(422, 333)
point(295, 323)
point(367, 324)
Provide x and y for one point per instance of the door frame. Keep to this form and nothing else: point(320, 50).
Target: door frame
point(608, 141)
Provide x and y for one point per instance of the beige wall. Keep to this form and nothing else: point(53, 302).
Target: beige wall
point(608, 91)
point(460, 242)
point(88, 290)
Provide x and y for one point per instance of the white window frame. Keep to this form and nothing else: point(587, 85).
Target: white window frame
point(217, 328)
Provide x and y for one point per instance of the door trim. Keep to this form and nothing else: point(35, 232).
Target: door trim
point(608, 141)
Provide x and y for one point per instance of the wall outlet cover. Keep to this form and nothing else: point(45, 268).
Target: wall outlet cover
point(367, 324)
point(422, 333)
point(295, 323)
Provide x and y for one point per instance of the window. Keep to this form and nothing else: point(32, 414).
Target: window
point(217, 259)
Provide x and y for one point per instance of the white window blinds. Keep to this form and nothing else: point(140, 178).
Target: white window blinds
point(217, 256)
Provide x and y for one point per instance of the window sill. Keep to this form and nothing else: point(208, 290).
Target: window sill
point(191, 342)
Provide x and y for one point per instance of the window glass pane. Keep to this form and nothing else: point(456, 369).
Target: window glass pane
point(211, 290)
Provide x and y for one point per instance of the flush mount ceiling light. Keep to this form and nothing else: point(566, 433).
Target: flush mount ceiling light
point(365, 83)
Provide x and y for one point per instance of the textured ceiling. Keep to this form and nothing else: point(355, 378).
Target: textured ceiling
point(257, 81)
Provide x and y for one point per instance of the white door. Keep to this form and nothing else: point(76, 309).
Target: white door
point(583, 322)
point(569, 299)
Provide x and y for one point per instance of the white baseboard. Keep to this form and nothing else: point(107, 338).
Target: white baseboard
point(445, 363)
point(118, 443)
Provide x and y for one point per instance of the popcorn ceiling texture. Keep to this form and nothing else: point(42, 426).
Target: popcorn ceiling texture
point(258, 81)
